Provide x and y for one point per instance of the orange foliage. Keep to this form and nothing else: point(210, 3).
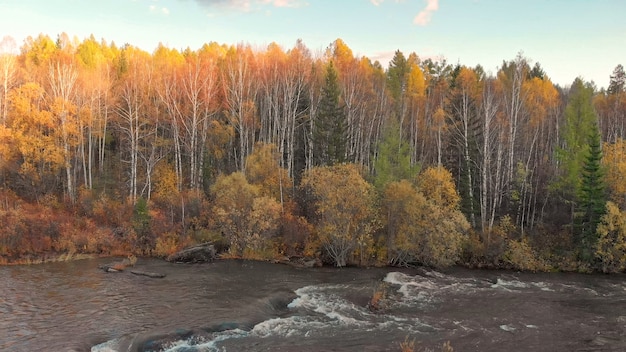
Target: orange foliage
point(614, 161)
point(38, 230)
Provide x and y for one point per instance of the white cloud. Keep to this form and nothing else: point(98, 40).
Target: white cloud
point(378, 2)
point(248, 5)
point(163, 10)
point(424, 16)
point(283, 3)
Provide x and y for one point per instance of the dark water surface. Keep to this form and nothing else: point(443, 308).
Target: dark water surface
point(254, 306)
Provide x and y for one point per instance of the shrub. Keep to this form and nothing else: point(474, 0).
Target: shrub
point(166, 244)
point(378, 300)
point(520, 255)
point(611, 245)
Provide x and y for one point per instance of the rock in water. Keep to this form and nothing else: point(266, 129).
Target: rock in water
point(201, 253)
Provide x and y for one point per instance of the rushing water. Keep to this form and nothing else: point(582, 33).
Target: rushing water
point(254, 306)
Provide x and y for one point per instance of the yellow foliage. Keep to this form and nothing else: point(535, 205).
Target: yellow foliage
point(521, 256)
point(166, 183)
point(416, 83)
point(166, 244)
point(419, 229)
point(614, 160)
point(219, 135)
point(611, 245)
point(345, 217)
point(35, 134)
point(263, 169)
point(437, 185)
point(540, 97)
point(248, 220)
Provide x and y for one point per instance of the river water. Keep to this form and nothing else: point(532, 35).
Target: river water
point(255, 306)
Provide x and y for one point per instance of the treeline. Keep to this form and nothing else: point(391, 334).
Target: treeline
point(278, 152)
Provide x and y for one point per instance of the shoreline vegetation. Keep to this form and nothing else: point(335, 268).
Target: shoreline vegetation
point(273, 153)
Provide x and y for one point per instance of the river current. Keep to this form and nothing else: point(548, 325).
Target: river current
point(255, 306)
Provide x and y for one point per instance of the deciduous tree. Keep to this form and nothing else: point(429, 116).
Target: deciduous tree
point(343, 205)
point(247, 219)
point(610, 248)
point(426, 229)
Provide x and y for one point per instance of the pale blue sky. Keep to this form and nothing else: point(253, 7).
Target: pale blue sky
point(569, 38)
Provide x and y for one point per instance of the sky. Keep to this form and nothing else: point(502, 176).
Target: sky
point(568, 38)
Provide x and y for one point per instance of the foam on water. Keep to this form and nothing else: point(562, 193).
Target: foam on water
point(507, 328)
point(413, 289)
point(508, 285)
point(323, 299)
point(543, 286)
point(108, 346)
point(316, 310)
point(286, 327)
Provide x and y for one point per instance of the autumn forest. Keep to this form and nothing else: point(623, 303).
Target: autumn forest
point(273, 153)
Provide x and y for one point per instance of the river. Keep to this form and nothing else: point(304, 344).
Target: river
point(255, 306)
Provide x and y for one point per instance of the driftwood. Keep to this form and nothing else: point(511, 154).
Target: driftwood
point(301, 262)
point(118, 266)
point(107, 268)
point(201, 253)
point(148, 274)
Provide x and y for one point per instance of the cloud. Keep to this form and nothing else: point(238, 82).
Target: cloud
point(248, 5)
point(426, 14)
point(378, 2)
point(164, 10)
point(283, 3)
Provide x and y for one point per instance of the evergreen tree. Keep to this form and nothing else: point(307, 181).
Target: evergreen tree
point(141, 224)
point(618, 80)
point(396, 75)
point(393, 162)
point(330, 124)
point(592, 198)
point(537, 72)
point(579, 120)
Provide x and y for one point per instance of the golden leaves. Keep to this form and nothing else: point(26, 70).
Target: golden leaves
point(614, 160)
point(247, 219)
point(437, 185)
point(344, 208)
point(611, 245)
point(424, 224)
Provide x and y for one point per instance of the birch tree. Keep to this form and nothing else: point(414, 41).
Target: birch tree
point(239, 91)
point(8, 74)
point(62, 82)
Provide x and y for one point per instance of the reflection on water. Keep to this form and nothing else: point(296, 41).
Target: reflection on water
point(253, 306)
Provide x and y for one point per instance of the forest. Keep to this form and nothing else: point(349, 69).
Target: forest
point(275, 153)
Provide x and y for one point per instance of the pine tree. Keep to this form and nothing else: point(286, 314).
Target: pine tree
point(592, 198)
point(618, 80)
point(330, 124)
point(579, 119)
point(396, 75)
point(393, 162)
point(141, 224)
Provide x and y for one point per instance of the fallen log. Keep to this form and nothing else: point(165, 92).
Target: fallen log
point(116, 267)
point(148, 274)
